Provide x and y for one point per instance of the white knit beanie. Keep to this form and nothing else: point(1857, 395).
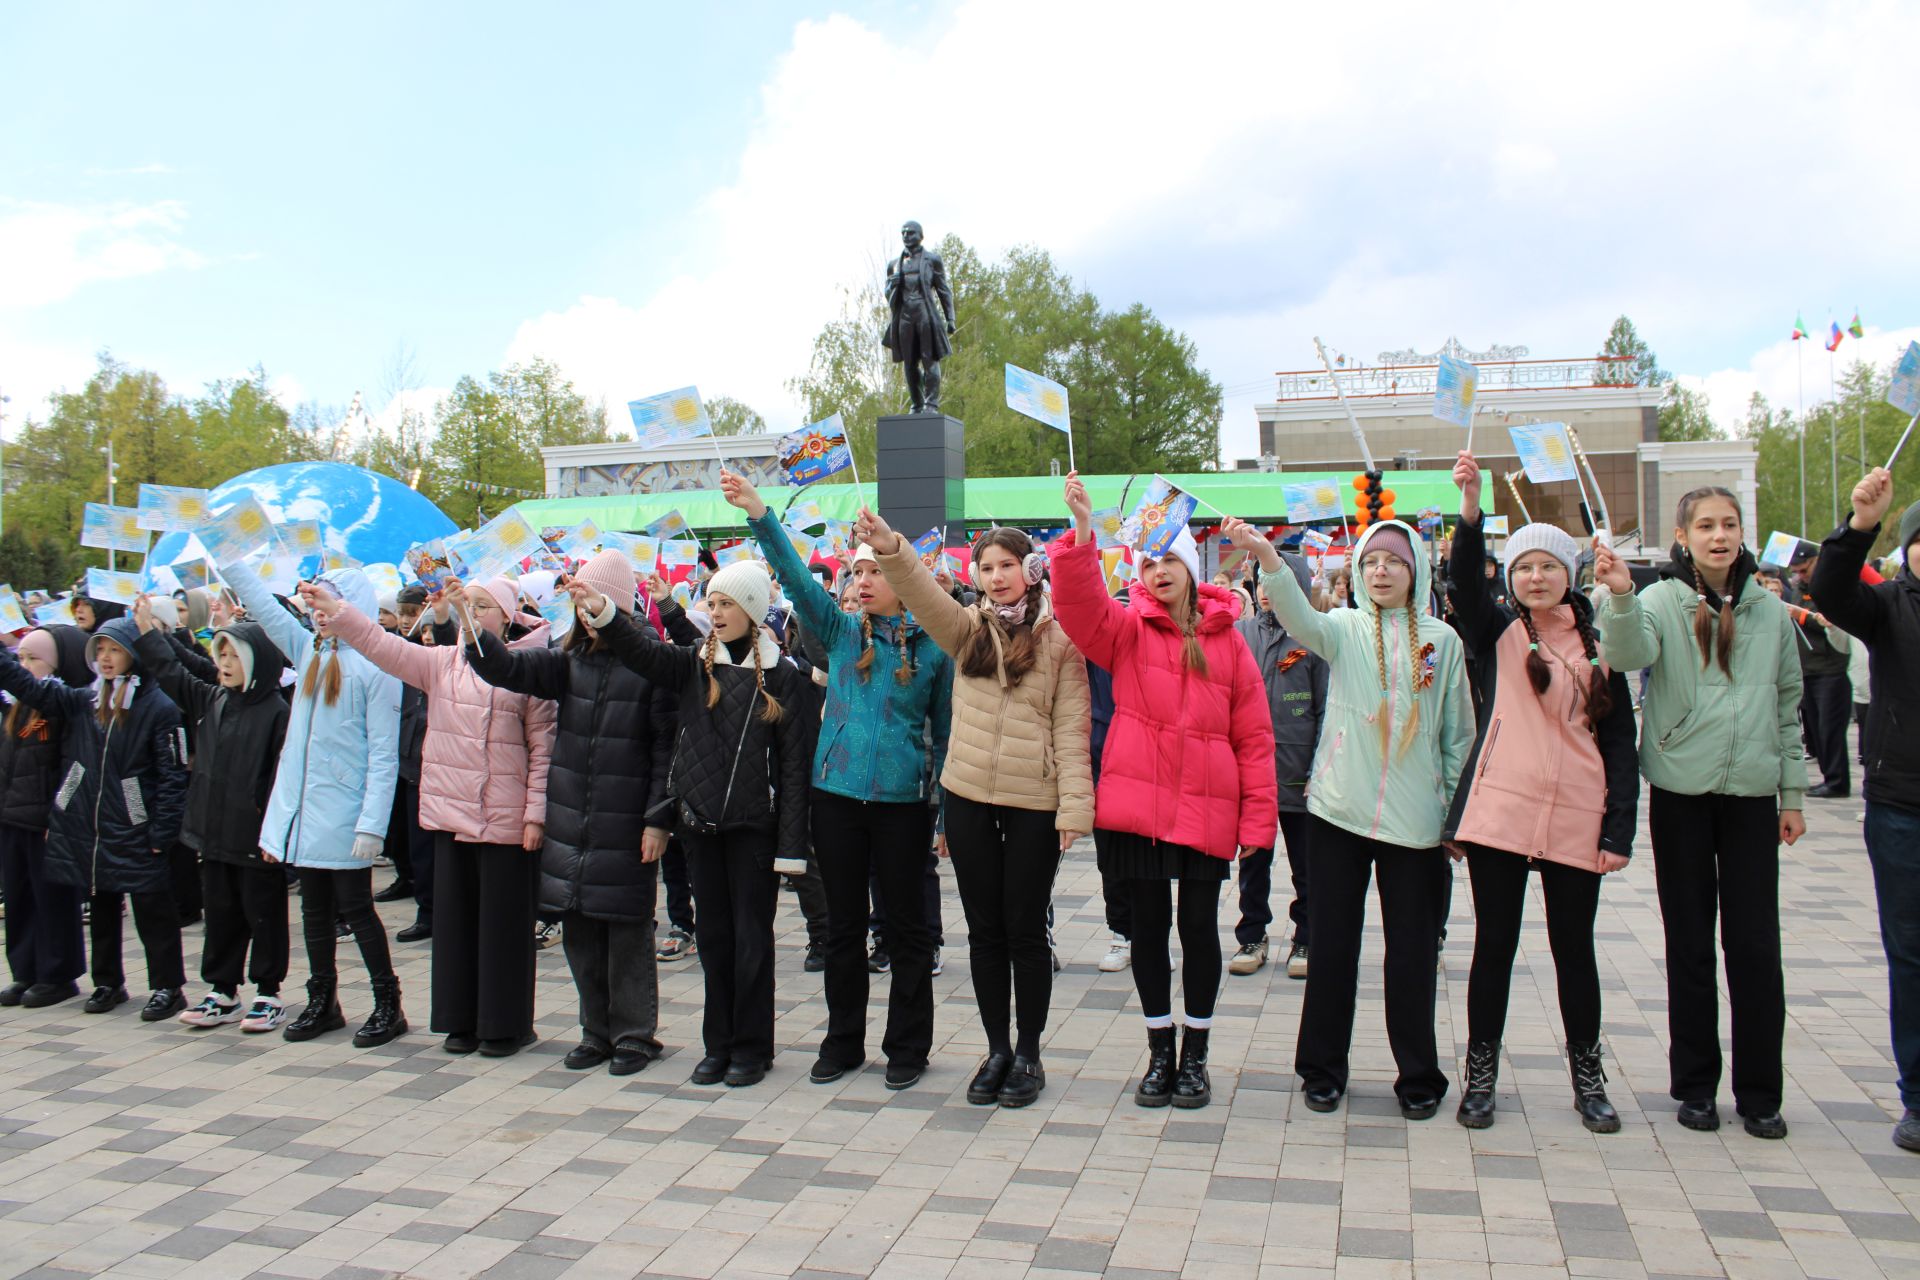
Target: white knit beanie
point(1187, 552)
point(746, 583)
point(1550, 538)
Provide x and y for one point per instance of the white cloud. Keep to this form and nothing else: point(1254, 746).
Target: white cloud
point(1790, 373)
point(50, 251)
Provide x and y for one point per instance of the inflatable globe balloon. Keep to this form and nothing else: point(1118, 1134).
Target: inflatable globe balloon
point(363, 514)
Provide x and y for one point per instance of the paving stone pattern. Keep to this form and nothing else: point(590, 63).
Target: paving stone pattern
point(135, 1150)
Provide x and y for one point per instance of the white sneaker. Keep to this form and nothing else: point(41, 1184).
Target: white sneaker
point(213, 1011)
point(1297, 960)
point(939, 963)
point(1119, 955)
point(267, 1014)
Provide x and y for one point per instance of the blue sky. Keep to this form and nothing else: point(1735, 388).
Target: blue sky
point(656, 196)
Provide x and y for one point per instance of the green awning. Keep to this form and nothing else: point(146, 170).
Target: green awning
point(1031, 501)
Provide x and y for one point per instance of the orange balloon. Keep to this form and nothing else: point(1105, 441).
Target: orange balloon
point(1386, 513)
point(1386, 497)
point(1360, 482)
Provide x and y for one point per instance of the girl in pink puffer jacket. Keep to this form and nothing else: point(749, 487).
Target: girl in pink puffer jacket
point(483, 792)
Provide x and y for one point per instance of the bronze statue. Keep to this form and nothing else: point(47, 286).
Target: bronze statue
point(920, 320)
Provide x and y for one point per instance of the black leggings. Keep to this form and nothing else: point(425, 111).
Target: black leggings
point(325, 895)
point(1153, 920)
point(1499, 901)
point(1004, 860)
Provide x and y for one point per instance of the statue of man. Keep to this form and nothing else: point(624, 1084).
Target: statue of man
point(921, 317)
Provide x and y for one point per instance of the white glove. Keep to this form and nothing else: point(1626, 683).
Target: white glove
point(366, 848)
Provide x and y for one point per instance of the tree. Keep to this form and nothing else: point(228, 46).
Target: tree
point(1684, 416)
point(1640, 369)
point(731, 418)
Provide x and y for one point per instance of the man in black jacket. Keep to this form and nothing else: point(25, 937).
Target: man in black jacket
point(1827, 703)
point(1886, 618)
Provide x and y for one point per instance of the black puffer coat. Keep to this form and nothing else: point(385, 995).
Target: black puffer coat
point(731, 769)
point(30, 754)
point(120, 802)
point(611, 752)
point(237, 737)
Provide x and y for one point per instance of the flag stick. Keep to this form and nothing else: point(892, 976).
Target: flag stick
point(1903, 440)
point(1196, 497)
point(1518, 501)
point(1359, 436)
point(859, 491)
point(1472, 417)
point(1071, 464)
point(1601, 520)
point(1833, 436)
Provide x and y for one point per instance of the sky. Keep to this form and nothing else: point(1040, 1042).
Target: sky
point(654, 196)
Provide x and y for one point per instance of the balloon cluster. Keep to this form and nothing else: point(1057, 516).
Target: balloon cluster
point(1374, 503)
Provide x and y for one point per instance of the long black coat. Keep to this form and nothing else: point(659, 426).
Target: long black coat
point(120, 803)
point(30, 755)
point(612, 750)
point(236, 736)
point(1886, 618)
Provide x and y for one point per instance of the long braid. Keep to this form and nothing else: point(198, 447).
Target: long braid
point(1599, 696)
point(1703, 623)
point(772, 711)
point(1414, 681)
point(1380, 654)
point(707, 653)
point(1539, 674)
point(902, 674)
point(1192, 654)
point(865, 665)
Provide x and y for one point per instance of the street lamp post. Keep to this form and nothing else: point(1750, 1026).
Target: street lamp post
point(108, 450)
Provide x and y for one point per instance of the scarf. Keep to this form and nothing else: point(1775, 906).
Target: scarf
point(1012, 614)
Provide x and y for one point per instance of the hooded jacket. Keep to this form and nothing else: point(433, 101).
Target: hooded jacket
point(874, 733)
point(339, 764)
point(237, 735)
point(483, 764)
point(1886, 618)
point(1021, 745)
point(1296, 680)
point(30, 755)
point(1703, 731)
point(1539, 782)
point(1188, 758)
point(124, 783)
point(612, 745)
point(1383, 791)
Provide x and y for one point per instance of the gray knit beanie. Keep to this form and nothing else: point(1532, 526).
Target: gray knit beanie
point(1550, 538)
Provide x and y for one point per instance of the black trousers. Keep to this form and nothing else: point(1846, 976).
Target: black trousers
point(1719, 856)
point(617, 974)
point(679, 885)
point(1256, 884)
point(1153, 922)
point(734, 882)
point(1113, 894)
point(852, 839)
point(420, 854)
point(45, 939)
point(1343, 865)
point(156, 919)
point(1826, 705)
point(1004, 861)
point(1499, 901)
point(812, 896)
point(183, 870)
point(930, 894)
point(348, 895)
point(483, 938)
point(246, 906)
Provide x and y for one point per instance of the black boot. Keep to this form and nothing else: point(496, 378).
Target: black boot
point(1590, 1089)
point(1192, 1088)
point(387, 1020)
point(322, 1013)
point(1476, 1084)
point(1156, 1087)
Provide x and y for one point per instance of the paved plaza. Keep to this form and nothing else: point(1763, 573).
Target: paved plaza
point(135, 1150)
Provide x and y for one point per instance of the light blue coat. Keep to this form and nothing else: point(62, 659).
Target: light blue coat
point(340, 762)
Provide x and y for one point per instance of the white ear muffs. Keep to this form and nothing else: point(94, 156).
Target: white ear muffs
point(1034, 567)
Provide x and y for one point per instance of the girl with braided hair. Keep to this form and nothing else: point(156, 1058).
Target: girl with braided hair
point(1018, 779)
point(1720, 746)
point(883, 739)
point(1397, 727)
point(1551, 783)
point(739, 779)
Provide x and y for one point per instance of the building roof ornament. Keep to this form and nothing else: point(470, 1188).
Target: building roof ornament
point(1453, 348)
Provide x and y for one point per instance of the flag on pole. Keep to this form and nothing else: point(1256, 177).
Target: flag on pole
point(674, 415)
point(1833, 339)
point(1454, 386)
point(1162, 513)
point(1043, 400)
point(1546, 454)
point(927, 546)
point(113, 528)
point(816, 451)
point(1903, 390)
point(173, 508)
point(1799, 327)
point(1856, 328)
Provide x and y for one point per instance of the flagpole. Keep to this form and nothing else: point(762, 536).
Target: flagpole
point(1833, 438)
point(1800, 399)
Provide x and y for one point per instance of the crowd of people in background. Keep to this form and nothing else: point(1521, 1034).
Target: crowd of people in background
point(840, 729)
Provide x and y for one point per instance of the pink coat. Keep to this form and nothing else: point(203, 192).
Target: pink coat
point(483, 765)
point(1189, 757)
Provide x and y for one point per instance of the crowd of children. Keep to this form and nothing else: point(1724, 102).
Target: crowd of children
point(525, 775)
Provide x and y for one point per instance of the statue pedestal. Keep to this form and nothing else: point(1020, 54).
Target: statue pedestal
point(922, 461)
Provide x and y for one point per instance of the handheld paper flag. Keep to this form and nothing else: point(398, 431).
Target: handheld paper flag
point(676, 415)
point(927, 546)
point(500, 545)
point(1494, 526)
point(642, 552)
point(1454, 389)
point(193, 575)
point(121, 588)
point(173, 509)
point(1318, 501)
point(1109, 528)
point(1903, 392)
point(815, 452)
point(385, 578)
point(679, 553)
point(1041, 399)
point(303, 540)
point(1546, 454)
point(280, 573)
point(55, 613)
point(804, 515)
point(1780, 549)
point(724, 556)
point(559, 615)
point(431, 564)
point(236, 532)
point(113, 529)
point(12, 616)
point(1162, 513)
point(669, 527)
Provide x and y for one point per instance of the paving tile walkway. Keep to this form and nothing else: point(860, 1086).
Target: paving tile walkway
point(135, 1150)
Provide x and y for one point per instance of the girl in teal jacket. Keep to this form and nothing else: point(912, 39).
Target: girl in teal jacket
point(1720, 746)
point(1397, 729)
point(883, 740)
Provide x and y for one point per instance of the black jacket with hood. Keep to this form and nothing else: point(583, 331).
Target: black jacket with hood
point(1296, 682)
point(1886, 618)
point(30, 754)
point(236, 735)
point(119, 804)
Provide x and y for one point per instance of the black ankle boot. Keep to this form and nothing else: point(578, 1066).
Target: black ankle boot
point(387, 1021)
point(1476, 1084)
point(1192, 1088)
point(1156, 1087)
point(1590, 1089)
point(322, 1013)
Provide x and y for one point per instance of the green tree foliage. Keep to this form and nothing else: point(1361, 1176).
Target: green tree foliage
point(1837, 425)
point(487, 437)
point(1140, 400)
point(731, 418)
point(1684, 416)
point(1641, 369)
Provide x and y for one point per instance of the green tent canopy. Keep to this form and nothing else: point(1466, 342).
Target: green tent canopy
point(1028, 501)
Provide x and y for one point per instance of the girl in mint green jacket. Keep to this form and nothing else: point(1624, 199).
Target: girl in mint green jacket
point(1720, 748)
point(1398, 726)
